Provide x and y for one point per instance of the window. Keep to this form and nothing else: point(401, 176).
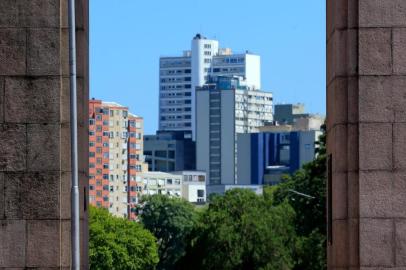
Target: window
point(200, 193)
point(105, 133)
point(99, 139)
point(91, 133)
point(162, 154)
point(91, 144)
point(106, 176)
point(207, 60)
point(105, 166)
point(98, 117)
point(98, 160)
point(105, 123)
point(91, 122)
point(106, 155)
point(111, 112)
point(92, 165)
point(92, 154)
point(98, 149)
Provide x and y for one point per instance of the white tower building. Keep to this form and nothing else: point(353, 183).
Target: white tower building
point(179, 77)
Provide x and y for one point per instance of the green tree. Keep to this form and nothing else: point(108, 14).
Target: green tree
point(171, 220)
point(116, 243)
point(310, 220)
point(242, 230)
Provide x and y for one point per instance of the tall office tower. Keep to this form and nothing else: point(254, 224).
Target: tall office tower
point(115, 156)
point(180, 75)
point(225, 107)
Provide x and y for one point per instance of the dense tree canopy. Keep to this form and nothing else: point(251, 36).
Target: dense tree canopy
point(116, 243)
point(282, 229)
point(241, 230)
point(171, 220)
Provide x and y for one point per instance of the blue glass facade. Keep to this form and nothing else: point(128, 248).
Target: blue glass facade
point(278, 153)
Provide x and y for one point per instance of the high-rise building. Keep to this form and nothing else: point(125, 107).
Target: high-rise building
point(115, 157)
point(179, 76)
point(225, 107)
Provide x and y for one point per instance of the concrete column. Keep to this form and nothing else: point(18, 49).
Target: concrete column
point(366, 122)
point(34, 133)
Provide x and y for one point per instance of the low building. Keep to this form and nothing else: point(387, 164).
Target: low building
point(193, 186)
point(294, 115)
point(190, 185)
point(161, 183)
point(221, 189)
point(169, 151)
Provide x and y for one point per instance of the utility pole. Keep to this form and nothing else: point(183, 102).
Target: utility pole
point(75, 230)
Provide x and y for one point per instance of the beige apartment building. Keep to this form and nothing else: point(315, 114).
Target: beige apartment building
point(117, 161)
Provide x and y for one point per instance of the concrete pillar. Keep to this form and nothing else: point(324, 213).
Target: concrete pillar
point(366, 139)
point(34, 133)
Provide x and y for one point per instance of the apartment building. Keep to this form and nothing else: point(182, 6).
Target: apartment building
point(180, 75)
point(226, 106)
point(115, 157)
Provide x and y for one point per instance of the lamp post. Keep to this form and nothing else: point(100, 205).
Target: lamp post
point(301, 194)
point(75, 230)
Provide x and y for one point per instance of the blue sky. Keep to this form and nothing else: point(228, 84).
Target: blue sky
point(127, 37)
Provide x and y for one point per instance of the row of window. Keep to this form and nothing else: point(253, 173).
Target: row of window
point(185, 94)
point(106, 111)
point(177, 71)
point(176, 117)
point(178, 79)
point(169, 110)
point(182, 101)
point(179, 86)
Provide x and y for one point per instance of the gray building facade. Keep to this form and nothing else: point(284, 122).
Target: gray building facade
point(226, 107)
point(169, 151)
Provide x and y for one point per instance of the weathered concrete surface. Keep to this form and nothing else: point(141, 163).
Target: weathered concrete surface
point(366, 125)
point(34, 133)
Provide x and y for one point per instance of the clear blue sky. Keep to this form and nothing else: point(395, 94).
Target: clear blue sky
point(127, 37)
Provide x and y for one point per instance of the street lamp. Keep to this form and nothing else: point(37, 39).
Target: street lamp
point(301, 194)
point(75, 230)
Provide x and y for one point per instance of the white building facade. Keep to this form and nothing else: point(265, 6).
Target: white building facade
point(179, 77)
point(189, 185)
point(224, 108)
